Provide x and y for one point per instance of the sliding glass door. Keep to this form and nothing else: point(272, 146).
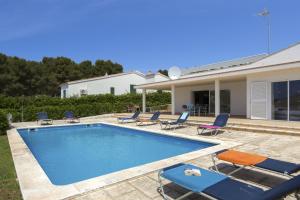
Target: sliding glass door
point(211, 102)
point(294, 94)
point(286, 100)
point(280, 100)
point(224, 101)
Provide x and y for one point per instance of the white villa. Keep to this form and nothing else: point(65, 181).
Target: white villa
point(255, 87)
point(116, 84)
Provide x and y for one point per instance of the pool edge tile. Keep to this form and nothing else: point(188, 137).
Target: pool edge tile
point(36, 185)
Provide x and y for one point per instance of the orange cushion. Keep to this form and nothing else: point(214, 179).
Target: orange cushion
point(240, 158)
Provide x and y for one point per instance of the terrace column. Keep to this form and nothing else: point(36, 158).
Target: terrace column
point(217, 97)
point(173, 99)
point(144, 100)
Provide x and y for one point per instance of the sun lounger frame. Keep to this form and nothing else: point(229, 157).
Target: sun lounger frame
point(241, 167)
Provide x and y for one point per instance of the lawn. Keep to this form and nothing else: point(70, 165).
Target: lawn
point(9, 187)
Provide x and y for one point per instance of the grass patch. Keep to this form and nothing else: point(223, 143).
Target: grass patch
point(9, 187)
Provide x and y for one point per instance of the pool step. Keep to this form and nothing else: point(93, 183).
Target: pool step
point(265, 129)
point(254, 126)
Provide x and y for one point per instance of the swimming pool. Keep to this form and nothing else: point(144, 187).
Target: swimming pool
point(69, 154)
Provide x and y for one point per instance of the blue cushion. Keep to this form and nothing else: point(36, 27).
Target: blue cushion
point(221, 120)
point(155, 116)
point(279, 166)
point(229, 189)
point(42, 115)
point(282, 189)
point(194, 183)
point(69, 114)
point(184, 115)
point(136, 114)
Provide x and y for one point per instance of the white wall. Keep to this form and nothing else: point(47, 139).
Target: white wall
point(102, 86)
point(62, 88)
point(184, 95)
point(269, 77)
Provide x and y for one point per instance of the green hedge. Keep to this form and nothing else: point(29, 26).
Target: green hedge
point(3, 123)
point(83, 106)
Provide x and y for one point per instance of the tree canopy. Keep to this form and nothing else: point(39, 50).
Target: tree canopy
point(22, 77)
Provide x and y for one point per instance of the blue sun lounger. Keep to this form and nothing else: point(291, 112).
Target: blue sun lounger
point(179, 122)
point(153, 119)
point(214, 185)
point(219, 123)
point(243, 159)
point(133, 118)
point(43, 118)
point(70, 117)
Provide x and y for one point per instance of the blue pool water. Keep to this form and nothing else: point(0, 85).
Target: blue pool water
point(70, 154)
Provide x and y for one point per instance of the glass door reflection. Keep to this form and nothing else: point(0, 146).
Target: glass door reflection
point(280, 100)
point(294, 95)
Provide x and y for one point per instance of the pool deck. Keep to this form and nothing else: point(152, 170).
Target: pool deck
point(142, 183)
point(280, 127)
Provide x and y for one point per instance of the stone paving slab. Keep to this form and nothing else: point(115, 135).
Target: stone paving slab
point(233, 120)
point(238, 124)
point(144, 187)
point(277, 146)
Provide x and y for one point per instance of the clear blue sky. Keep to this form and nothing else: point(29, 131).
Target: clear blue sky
point(145, 34)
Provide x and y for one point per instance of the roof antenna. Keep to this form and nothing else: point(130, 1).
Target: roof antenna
point(266, 14)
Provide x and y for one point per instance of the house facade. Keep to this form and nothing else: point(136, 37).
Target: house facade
point(255, 87)
point(116, 84)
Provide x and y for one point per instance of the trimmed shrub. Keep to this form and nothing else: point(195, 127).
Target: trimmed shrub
point(3, 123)
point(83, 106)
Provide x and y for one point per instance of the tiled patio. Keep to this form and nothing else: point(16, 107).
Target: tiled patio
point(283, 147)
point(242, 124)
point(144, 187)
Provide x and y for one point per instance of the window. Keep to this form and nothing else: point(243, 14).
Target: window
point(112, 90)
point(132, 89)
point(64, 93)
point(83, 92)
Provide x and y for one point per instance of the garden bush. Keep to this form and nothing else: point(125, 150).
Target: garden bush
point(3, 123)
point(83, 106)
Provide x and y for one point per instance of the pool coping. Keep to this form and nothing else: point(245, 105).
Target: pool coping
point(35, 184)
